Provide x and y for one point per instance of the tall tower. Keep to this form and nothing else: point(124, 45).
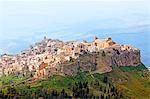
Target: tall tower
point(95, 37)
point(45, 37)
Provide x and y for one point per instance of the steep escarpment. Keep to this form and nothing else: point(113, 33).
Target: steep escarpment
point(101, 61)
point(50, 57)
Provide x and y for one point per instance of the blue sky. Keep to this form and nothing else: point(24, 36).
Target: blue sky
point(26, 21)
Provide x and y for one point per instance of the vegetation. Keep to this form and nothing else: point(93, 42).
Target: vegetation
point(132, 68)
point(120, 83)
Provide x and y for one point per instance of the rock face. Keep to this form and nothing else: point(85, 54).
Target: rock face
point(50, 57)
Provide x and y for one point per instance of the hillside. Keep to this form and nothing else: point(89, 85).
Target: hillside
point(53, 69)
point(121, 83)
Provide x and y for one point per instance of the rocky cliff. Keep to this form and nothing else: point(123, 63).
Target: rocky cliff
point(68, 58)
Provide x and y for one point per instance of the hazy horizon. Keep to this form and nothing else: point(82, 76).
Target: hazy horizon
point(23, 23)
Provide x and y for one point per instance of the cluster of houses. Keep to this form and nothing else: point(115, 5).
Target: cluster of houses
point(45, 56)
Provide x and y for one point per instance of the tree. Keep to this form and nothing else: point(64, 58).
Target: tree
point(63, 92)
point(105, 79)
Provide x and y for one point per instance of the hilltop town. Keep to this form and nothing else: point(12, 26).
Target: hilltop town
point(50, 57)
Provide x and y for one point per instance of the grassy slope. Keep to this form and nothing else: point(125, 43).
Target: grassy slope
point(134, 81)
point(58, 82)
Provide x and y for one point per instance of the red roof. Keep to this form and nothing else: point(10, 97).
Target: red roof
point(43, 65)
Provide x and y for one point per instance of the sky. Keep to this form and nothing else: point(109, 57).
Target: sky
point(24, 22)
